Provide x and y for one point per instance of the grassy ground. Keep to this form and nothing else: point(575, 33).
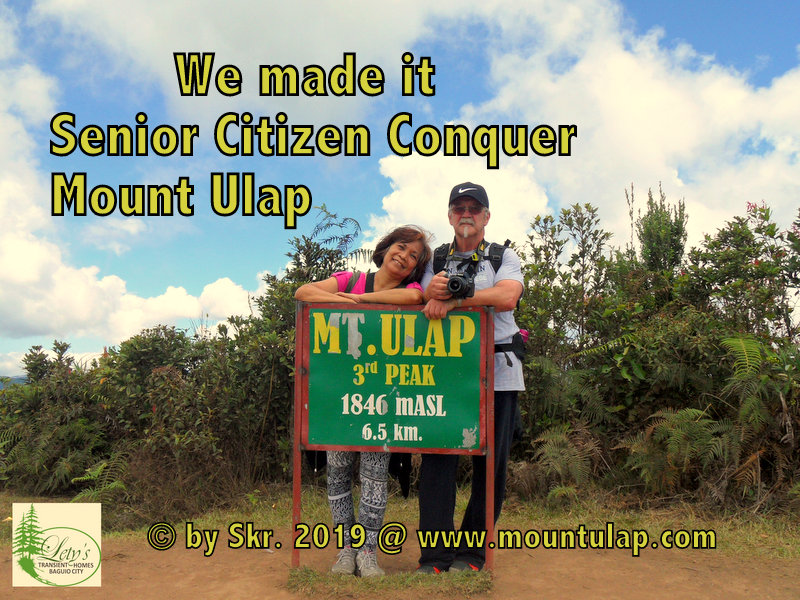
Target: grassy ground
point(270, 507)
point(310, 583)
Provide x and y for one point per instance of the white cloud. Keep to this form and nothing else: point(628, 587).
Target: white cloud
point(646, 113)
point(422, 189)
point(245, 34)
point(30, 92)
point(8, 33)
point(224, 298)
point(41, 293)
point(11, 364)
point(132, 313)
point(19, 182)
point(115, 234)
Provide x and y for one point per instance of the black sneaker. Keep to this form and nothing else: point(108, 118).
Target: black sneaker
point(429, 570)
point(462, 565)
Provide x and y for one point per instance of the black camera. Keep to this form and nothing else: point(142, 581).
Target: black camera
point(461, 286)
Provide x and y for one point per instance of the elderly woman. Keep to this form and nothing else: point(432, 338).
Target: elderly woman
point(401, 257)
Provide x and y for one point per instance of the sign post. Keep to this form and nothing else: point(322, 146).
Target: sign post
point(376, 377)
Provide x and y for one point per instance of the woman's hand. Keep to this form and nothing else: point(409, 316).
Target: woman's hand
point(348, 297)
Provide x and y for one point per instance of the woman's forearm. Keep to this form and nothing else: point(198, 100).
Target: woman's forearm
point(395, 296)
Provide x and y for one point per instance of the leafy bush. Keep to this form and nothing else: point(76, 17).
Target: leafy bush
point(50, 430)
point(657, 360)
point(680, 379)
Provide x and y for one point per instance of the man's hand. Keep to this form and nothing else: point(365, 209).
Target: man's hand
point(438, 309)
point(437, 288)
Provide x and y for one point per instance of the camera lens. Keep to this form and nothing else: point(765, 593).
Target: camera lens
point(456, 285)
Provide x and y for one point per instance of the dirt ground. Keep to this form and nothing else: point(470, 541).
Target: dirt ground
point(133, 570)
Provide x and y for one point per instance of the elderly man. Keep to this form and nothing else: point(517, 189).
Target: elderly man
point(497, 283)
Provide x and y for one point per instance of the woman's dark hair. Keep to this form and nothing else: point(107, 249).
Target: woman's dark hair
point(405, 234)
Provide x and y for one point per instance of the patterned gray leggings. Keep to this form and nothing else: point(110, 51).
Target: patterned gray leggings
point(374, 492)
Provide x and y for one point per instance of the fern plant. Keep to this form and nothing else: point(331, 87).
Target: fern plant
point(562, 494)
point(8, 439)
point(106, 477)
point(45, 459)
point(747, 353)
point(567, 454)
point(623, 340)
point(765, 386)
point(679, 447)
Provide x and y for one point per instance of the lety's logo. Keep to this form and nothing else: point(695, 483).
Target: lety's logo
point(56, 544)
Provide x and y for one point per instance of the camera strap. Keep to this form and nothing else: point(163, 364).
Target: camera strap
point(471, 262)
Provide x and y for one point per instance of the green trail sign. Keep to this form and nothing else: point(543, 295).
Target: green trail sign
point(378, 376)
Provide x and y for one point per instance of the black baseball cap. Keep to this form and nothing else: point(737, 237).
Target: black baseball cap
point(470, 190)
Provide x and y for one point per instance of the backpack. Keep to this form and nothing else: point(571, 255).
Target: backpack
point(351, 283)
point(369, 283)
point(494, 254)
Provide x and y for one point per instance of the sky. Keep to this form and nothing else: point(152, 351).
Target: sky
point(697, 97)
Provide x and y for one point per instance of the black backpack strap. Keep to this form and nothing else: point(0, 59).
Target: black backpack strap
point(495, 254)
point(352, 282)
point(369, 284)
point(440, 257)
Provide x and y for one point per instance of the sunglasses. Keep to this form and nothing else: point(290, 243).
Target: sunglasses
point(473, 210)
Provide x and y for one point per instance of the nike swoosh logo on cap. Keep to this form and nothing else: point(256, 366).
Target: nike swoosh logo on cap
point(460, 191)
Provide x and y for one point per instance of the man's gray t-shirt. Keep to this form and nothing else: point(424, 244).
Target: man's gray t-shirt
point(506, 378)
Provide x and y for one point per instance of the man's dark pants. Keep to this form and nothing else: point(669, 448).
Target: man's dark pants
point(437, 490)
